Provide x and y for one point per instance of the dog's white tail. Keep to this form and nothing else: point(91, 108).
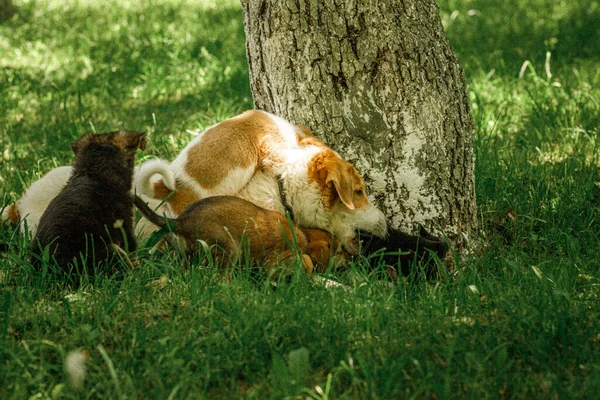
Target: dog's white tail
point(143, 174)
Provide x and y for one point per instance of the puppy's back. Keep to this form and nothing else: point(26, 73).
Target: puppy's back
point(94, 211)
point(71, 226)
point(227, 220)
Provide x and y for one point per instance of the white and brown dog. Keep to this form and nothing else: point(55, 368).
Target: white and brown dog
point(272, 163)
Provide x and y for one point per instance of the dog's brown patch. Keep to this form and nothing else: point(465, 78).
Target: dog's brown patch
point(307, 138)
point(210, 161)
point(238, 228)
point(312, 141)
point(338, 179)
point(178, 201)
point(13, 214)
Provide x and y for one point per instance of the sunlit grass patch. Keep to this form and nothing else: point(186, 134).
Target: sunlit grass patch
point(76, 67)
point(500, 36)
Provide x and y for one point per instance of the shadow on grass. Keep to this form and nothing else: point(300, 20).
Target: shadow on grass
point(166, 68)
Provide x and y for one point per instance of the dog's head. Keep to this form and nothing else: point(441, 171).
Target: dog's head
point(345, 205)
point(124, 141)
point(129, 140)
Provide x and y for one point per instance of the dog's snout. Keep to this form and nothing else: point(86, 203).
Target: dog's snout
point(376, 223)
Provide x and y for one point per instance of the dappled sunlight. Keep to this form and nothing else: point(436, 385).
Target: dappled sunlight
point(586, 149)
point(547, 119)
point(86, 66)
point(44, 57)
point(503, 35)
point(127, 5)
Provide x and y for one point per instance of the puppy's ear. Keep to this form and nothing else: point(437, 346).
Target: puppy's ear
point(320, 252)
point(142, 140)
point(76, 146)
point(343, 182)
point(129, 140)
point(11, 213)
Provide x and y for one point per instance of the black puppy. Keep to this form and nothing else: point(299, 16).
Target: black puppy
point(401, 251)
point(91, 219)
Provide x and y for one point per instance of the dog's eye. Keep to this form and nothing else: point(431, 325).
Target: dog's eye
point(359, 192)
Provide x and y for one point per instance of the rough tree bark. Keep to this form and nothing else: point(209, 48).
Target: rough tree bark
point(7, 10)
point(379, 82)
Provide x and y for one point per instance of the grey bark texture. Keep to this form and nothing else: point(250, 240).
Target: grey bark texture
point(7, 10)
point(379, 82)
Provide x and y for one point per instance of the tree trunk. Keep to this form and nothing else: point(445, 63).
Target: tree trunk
point(379, 82)
point(7, 10)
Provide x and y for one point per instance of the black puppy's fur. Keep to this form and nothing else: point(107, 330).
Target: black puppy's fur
point(95, 208)
point(401, 250)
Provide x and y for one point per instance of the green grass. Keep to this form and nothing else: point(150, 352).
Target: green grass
point(520, 318)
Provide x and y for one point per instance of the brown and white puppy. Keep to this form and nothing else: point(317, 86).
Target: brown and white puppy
point(254, 154)
point(92, 217)
point(228, 224)
point(28, 210)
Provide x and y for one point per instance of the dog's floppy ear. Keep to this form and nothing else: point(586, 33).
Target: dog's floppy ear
point(330, 171)
point(342, 181)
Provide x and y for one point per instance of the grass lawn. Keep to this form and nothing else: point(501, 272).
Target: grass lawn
point(519, 319)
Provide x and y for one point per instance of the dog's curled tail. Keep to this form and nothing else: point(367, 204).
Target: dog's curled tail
point(143, 174)
point(150, 214)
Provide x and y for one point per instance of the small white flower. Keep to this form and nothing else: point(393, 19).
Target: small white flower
point(75, 366)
